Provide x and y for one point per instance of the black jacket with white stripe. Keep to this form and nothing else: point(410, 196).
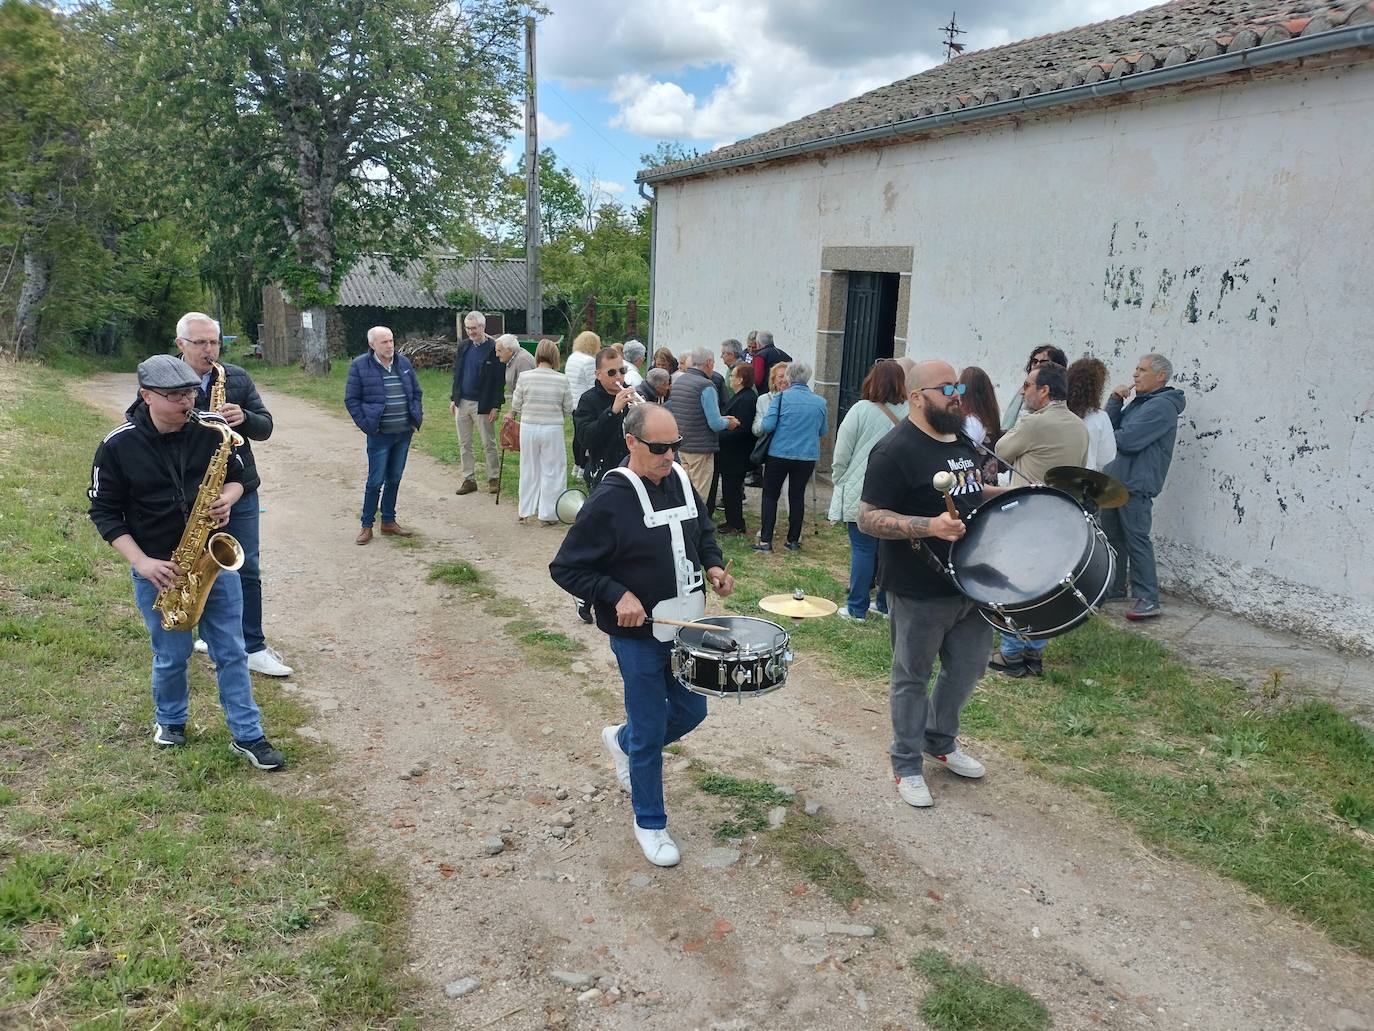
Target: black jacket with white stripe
point(144, 483)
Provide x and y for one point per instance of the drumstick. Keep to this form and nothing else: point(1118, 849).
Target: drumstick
point(944, 483)
point(690, 626)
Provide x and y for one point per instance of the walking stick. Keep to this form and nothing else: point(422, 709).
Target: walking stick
point(501, 470)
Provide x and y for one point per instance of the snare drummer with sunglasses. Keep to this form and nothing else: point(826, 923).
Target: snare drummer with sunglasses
point(930, 618)
point(656, 563)
point(599, 417)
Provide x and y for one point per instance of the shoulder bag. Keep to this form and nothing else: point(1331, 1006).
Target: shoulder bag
point(760, 453)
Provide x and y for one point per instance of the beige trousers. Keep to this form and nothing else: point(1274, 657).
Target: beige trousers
point(701, 470)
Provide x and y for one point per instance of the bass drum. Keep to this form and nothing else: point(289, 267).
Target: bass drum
point(1033, 561)
point(757, 665)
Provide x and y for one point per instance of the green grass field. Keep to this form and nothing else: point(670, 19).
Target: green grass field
point(142, 888)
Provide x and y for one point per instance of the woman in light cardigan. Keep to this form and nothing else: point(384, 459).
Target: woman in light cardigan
point(542, 400)
point(883, 407)
point(581, 367)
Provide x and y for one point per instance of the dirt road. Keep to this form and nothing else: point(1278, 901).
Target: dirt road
point(445, 740)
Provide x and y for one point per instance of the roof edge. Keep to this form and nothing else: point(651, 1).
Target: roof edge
point(1334, 40)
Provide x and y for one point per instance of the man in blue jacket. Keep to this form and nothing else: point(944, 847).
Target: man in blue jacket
point(383, 396)
point(1145, 431)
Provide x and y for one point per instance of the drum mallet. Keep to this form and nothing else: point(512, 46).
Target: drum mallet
point(944, 482)
point(718, 642)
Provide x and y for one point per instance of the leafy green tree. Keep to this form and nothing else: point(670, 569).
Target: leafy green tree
point(665, 153)
point(300, 135)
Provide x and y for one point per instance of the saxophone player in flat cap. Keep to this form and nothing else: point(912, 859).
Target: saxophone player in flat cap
point(148, 478)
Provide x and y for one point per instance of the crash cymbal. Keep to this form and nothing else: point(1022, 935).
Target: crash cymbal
point(797, 605)
point(1088, 486)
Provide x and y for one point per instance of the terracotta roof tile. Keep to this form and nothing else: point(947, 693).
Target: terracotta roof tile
point(1167, 35)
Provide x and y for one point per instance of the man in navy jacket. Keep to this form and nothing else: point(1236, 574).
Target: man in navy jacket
point(1145, 433)
point(479, 388)
point(383, 396)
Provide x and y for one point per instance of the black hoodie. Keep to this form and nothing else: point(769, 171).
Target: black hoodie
point(144, 483)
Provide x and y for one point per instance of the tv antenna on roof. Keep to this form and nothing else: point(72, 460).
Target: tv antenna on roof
point(953, 48)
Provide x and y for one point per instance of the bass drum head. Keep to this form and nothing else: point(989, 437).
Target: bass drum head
point(1020, 546)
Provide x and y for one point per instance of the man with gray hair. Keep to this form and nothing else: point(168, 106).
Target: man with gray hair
point(1146, 428)
point(635, 353)
point(655, 386)
point(766, 355)
point(696, 407)
point(514, 357)
point(479, 382)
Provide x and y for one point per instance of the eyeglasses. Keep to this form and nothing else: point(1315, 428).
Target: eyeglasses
point(615, 372)
point(950, 389)
point(659, 447)
point(189, 394)
point(200, 343)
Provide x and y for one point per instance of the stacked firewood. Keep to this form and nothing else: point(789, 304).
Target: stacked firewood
point(428, 352)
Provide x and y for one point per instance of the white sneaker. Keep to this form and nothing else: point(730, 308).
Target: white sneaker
point(618, 756)
point(960, 762)
point(202, 647)
point(843, 613)
point(659, 848)
point(268, 663)
point(913, 791)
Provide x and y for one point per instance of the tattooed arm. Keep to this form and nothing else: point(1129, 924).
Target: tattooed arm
point(893, 526)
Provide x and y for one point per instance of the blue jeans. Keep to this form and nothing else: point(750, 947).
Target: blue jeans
point(863, 569)
point(243, 527)
point(386, 461)
point(1014, 649)
point(1128, 531)
point(221, 628)
point(658, 711)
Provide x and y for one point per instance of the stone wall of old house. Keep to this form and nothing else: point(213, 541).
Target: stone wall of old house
point(1229, 228)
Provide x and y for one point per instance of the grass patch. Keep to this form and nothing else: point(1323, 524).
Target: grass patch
point(542, 647)
point(964, 998)
point(504, 607)
point(142, 887)
point(458, 573)
point(801, 841)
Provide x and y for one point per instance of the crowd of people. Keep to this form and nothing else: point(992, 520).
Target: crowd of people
point(658, 446)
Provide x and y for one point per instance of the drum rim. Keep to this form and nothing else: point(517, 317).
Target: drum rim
point(715, 693)
point(781, 640)
point(989, 614)
point(1085, 559)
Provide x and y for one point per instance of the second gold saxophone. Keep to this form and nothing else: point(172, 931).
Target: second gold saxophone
point(203, 551)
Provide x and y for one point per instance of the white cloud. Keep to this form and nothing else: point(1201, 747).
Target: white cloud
point(606, 186)
point(781, 59)
point(549, 128)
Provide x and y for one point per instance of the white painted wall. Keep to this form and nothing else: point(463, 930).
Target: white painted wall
point(1229, 229)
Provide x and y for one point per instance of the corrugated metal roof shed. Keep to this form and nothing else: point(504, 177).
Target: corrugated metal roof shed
point(498, 283)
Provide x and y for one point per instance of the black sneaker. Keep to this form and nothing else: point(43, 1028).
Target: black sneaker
point(762, 545)
point(173, 735)
point(793, 545)
point(1035, 663)
point(260, 753)
point(584, 611)
point(1015, 668)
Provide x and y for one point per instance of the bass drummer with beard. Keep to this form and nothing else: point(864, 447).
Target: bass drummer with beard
point(930, 618)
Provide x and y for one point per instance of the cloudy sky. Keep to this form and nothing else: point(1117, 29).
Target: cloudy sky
point(616, 76)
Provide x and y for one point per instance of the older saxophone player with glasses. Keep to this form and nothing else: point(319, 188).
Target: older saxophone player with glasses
point(148, 475)
point(229, 390)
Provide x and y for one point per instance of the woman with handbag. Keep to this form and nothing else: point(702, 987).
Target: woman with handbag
point(542, 400)
point(734, 461)
point(796, 421)
point(883, 407)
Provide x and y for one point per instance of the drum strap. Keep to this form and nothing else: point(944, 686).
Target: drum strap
point(690, 602)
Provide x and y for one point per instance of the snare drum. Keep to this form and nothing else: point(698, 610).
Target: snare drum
point(1034, 562)
point(757, 664)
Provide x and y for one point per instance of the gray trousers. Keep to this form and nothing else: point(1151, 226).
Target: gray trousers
point(465, 419)
point(924, 629)
point(1128, 531)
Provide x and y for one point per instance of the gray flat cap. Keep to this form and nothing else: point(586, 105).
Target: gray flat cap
point(163, 372)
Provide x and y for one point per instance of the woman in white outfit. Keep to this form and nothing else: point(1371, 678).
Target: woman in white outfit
point(1087, 378)
point(542, 400)
point(581, 367)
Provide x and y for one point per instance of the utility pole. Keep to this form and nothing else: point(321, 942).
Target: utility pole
point(534, 294)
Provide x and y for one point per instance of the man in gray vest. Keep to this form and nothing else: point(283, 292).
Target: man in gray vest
point(696, 407)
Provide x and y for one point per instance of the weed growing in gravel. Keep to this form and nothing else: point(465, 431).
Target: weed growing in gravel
point(751, 798)
point(964, 998)
point(542, 647)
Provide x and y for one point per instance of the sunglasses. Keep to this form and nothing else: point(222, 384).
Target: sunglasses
point(615, 372)
point(659, 447)
point(950, 389)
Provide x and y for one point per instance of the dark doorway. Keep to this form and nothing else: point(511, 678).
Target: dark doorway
point(870, 322)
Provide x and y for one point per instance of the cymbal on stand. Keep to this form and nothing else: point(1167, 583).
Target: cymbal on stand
point(1088, 486)
point(797, 605)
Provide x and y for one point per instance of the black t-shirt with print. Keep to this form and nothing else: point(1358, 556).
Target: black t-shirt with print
point(900, 469)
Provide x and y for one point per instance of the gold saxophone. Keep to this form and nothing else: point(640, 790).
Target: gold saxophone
point(202, 552)
point(216, 400)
